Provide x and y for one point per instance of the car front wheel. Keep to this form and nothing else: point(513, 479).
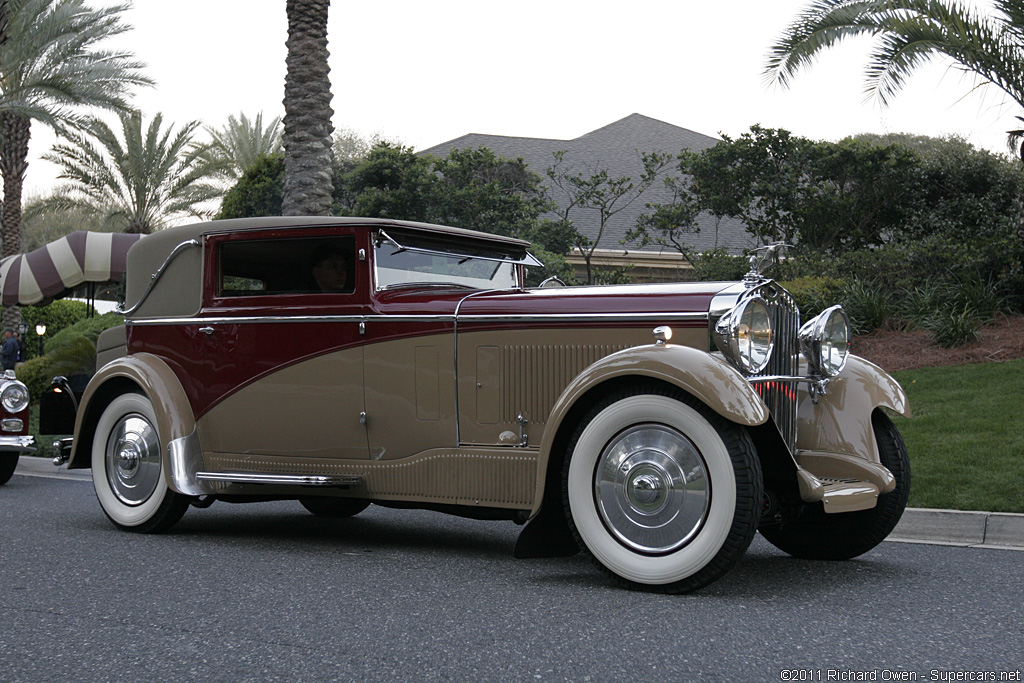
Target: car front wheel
point(816, 535)
point(127, 468)
point(8, 463)
point(662, 492)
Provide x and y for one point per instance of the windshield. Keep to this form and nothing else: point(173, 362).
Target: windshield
point(399, 268)
point(407, 260)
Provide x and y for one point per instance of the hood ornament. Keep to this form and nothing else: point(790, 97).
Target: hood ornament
point(761, 260)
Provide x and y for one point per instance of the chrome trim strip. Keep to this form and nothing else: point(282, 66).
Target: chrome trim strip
point(536, 317)
point(159, 272)
point(285, 479)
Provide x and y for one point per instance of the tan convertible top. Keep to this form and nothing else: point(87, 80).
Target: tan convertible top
point(184, 272)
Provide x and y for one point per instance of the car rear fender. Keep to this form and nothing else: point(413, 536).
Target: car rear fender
point(706, 377)
point(139, 373)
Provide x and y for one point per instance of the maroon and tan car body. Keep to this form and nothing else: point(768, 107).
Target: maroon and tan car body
point(433, 396)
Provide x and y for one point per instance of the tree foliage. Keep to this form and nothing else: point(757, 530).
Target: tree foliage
point(258, 191)
point(597, 190)
point(138, 180)
point(241, 142)
point(52, 70)
point(908, 34)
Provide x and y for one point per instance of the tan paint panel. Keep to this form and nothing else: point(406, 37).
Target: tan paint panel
point(428, 391)
point(507, 373)
point(410, 395)
point(310, 409)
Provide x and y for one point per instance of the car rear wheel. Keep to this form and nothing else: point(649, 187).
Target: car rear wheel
point(663, 493)
point(8, 462)
point(815, 535)
point(336, 508)
point(127, 468)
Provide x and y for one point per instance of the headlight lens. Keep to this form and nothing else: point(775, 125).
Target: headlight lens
point(825, 341)
point(14, 397)
point(745, 336)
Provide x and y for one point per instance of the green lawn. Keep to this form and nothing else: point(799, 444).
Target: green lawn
point(966, 436)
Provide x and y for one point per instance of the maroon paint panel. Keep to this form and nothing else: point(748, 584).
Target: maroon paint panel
point(213, 366)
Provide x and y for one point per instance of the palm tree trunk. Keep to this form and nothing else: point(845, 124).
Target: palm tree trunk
point(307, 106)
point(14, 136)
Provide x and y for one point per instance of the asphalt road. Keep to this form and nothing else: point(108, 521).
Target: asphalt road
point(267, 592)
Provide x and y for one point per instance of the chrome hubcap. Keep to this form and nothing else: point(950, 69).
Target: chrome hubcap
point(652, 489)
point(133, 460)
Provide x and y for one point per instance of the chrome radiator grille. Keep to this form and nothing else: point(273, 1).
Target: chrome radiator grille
point(781, 397)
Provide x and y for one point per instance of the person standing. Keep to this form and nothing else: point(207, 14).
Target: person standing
point(9, 350)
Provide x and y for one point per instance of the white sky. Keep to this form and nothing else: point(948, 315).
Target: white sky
point(427, 72)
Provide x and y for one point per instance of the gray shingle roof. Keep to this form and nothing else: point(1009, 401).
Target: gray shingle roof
point(616, 148)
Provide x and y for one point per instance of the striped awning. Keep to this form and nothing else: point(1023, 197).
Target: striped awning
point(49, 272)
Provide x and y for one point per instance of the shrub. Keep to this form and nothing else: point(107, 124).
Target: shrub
point(36, 375)
point(89, 327)
point(57, 316)
point(719, 265)
point(814, 294)
point(954, 326)
point(977, 294)
point(70, 351)
point(868, 306)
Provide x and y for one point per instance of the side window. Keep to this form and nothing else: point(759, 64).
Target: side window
point(307, 265)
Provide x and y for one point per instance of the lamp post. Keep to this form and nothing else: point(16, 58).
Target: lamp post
point(40, 330)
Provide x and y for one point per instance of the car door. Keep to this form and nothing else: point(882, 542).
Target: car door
point(283, 356)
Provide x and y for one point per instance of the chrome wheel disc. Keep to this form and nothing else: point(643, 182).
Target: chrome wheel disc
point(132, 459)
point(652, 489)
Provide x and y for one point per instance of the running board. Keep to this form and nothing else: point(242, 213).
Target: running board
point(345, 481)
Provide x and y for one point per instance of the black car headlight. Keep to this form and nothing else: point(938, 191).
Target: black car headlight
point(825, 341)
point(745, 335)
point(14, 397)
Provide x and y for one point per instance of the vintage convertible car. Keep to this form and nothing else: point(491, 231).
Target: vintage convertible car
point(342, 362)
point(14, 437)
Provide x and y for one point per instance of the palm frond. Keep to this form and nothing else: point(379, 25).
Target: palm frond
point(141, 177)
point(908, 34)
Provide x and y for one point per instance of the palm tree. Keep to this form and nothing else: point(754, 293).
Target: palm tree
point(241, 143)
point(139, 184)
point(51, 71)
point(307, 106)
point(909, 33)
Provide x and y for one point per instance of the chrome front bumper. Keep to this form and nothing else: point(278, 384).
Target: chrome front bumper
point(17, 444)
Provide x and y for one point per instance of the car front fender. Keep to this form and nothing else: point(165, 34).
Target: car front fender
point(834, 432)
point(706, 377)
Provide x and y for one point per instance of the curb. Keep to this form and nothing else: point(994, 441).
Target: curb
point(1001, 530)
point(954, 527)
point(36, 466)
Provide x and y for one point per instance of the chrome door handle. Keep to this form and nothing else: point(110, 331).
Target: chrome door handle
point(207, 330)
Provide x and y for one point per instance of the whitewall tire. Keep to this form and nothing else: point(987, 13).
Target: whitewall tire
point(663, 493)
point(128, 468)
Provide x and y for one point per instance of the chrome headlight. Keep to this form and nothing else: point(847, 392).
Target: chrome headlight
point(14, 397)
point(744, 335)
point(825, 341)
